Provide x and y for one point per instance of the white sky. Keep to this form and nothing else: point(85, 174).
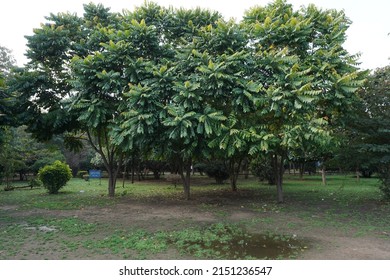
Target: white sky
point(368, 35)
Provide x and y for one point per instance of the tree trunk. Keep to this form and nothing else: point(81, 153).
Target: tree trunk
point(357, 175)
point(233, 182)
point(139, 172)
point(246, 168)
point(113, 169)
point(234, 170)
point(111, 183)
point(279, 177)
point(21, 176)
point(103, 147)
point(124, 175)
point(301, 169)
point(132, 175)
point(323, 174)
point(185, 174)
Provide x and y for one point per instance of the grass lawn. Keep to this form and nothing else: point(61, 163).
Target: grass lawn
point(151, 220)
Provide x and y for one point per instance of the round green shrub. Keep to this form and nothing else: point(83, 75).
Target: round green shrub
point(217, 170)
point(55, 176)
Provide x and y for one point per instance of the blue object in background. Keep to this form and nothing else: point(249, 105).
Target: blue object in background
point(97, 174)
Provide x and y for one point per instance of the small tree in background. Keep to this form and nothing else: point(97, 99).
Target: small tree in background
point(55, 176)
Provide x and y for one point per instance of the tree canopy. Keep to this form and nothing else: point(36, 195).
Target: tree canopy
point(187, 84)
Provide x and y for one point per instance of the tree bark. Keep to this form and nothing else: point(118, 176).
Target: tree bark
point(279, 177)
point(113, 169)
point(185, 174)
point(132, 169)
point(301, 169)
point(323, 174)
point(234, 170)
point(124, 175)
point(111, 183)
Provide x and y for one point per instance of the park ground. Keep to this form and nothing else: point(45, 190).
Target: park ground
point(345, 219)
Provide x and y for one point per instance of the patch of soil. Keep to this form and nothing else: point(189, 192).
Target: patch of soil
point(325, 242)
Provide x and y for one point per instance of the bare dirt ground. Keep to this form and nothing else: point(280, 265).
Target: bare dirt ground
point(323, 242)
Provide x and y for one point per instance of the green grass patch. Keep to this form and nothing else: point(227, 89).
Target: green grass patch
point(137, 244)
point(356, 208)
point(77, 194)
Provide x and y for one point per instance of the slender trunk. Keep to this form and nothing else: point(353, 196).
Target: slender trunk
point(21, 176)
point(185, 174)
point(113, 169)
point(279, 177)
point(323, 174)
point(124, 176)
point(187, 182)
point(111, 182)
point(234, 170)
point(139, 172)
point(107, 151)
point(301, 169)
point(132, 169)
point(246, 168)
point(357, 175)
point(233, 182)
point(7, 181)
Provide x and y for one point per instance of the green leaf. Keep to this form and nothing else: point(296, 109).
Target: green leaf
point(305, 99)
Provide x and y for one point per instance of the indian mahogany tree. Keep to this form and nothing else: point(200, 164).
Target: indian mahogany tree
point(308, 79)
point(188, 84)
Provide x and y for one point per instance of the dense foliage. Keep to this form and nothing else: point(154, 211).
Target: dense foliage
point(55, 176)
point(187, 85)
point(216, 170)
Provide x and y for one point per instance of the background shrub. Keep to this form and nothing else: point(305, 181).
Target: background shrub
point(262, 168)
point(81, 174)
point(216, 170)
point(55, 176)
point(35, 183)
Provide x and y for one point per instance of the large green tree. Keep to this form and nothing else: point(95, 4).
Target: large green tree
point(7, 62)
point(62, 90)
point(185, 84)
point(309, 80)
point(81, 67)
point(7, 160)
point(366, 148)
point(166, 108)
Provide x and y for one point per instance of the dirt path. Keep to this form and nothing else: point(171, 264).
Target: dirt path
point(326, 242)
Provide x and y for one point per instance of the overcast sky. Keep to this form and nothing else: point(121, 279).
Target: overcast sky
point(368, 35)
